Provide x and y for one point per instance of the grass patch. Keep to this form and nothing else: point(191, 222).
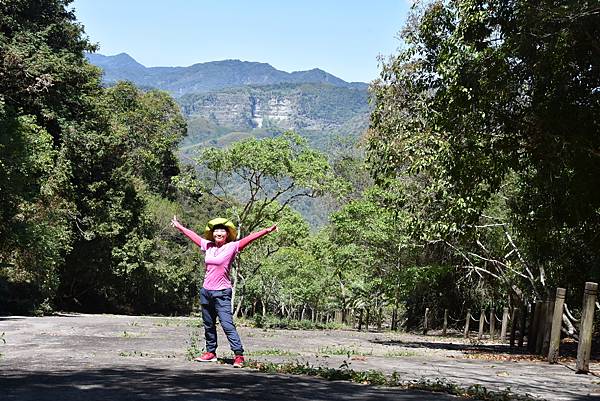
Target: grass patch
point(394, 380)
point(271, 352)
point(140, 354)
point(343, 351)
point(194, 345)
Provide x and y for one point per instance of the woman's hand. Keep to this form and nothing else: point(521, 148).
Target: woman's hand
point(273, 228)
point(175, 222)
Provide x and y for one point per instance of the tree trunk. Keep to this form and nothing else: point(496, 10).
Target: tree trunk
point(234, 289)
point(236, 267)
point(360, 319)
point(239, 305)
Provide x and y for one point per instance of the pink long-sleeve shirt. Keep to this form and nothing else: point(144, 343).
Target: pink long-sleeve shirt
point(218, 259)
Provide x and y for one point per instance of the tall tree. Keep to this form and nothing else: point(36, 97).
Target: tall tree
point(46, 94)
point(82, 169)
point(121, 173)
point(498, 98)
point(260, 178)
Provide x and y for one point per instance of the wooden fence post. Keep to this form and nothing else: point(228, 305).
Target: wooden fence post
point(548, 325)
point(513, 326)
point(533, 327)
point(481, 324)
point(467, 321)
point(539, 342)
point(504, 324)
point(523, 323)
point(584, 348)
point(425, 321)
point(554, 346)
point(445, 322)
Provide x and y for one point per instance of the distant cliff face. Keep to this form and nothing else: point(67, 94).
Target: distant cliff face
point(308, 107)
point(279, 109)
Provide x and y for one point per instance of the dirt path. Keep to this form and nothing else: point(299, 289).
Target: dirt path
point(99, 357)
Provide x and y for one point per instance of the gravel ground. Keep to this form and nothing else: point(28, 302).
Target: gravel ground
point(111, 357)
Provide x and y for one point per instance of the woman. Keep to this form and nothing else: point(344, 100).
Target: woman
point(219, 247)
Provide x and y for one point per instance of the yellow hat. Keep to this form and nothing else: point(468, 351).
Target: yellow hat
point(220, 221)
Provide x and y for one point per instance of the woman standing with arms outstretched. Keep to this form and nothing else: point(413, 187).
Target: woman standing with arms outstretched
point(220, 248)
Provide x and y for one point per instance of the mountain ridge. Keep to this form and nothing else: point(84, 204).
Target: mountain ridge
point(207, 76)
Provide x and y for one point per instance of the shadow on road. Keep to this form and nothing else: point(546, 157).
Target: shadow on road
point(566, 349)
point(211, 383)
point(488, 348)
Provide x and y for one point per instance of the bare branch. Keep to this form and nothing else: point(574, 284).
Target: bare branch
point(490, 225)
point(478, 269)
point(569, 315)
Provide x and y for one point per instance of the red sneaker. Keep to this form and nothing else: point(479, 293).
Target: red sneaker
point(238, 361)
point(206, 357)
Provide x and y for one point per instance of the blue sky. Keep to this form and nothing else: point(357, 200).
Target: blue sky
point(341, 37)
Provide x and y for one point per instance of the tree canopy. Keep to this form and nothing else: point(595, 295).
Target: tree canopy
point(488, 115)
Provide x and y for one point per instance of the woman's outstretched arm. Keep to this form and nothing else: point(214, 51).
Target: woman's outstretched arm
point(254, 236)
point(198, 240)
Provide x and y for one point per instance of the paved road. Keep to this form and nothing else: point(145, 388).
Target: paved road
point(107, 357)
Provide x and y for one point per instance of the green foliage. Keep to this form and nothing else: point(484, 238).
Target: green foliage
point(85, 177)
point(490, 100)
point(259, 180)
point(194, 345)
point(482, 149)
point(151, 127)
point(280, 169)
point(44, 94)
point(122, 178)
